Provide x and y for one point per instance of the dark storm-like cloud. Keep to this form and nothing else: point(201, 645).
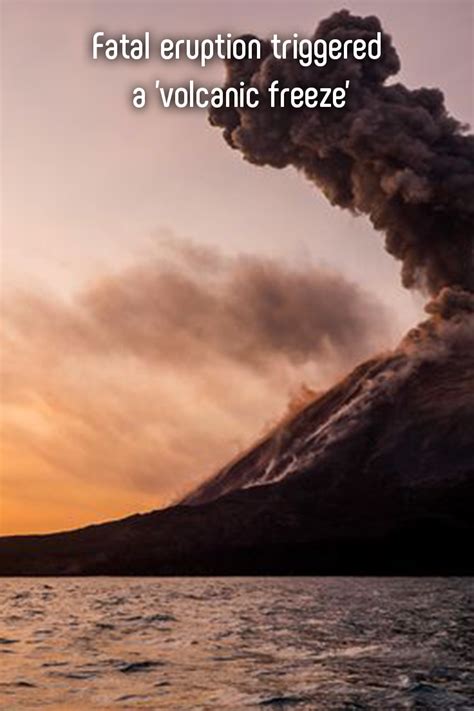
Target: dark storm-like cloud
point(392, 153)
point(249, 310)
point(199, 305)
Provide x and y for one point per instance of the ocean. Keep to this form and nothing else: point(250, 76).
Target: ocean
point(236, 643)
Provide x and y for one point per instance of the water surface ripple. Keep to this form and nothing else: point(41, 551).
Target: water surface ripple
point(236, 643)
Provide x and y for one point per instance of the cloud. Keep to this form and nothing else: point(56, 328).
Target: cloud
point(391, 153)
point(149, 379)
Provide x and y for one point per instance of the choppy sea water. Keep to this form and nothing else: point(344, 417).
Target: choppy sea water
point(276, 643)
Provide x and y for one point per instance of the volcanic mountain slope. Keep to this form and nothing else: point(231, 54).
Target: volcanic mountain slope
point(375, 476)
point(423, 394)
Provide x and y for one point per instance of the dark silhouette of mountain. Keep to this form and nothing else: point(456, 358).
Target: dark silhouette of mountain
point(374, 477)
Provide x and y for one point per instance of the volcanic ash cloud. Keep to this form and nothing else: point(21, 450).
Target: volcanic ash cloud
point(392, 153)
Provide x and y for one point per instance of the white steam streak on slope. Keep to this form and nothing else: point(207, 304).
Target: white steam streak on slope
point(376, 390)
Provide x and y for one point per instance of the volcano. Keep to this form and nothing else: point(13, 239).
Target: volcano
point(376, 476)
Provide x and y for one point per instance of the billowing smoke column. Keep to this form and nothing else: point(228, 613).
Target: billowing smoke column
point(391, 153)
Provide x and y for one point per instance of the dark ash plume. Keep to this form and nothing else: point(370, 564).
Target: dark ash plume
point(391, 153)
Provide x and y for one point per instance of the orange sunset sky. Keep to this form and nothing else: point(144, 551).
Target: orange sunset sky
point(162, 300)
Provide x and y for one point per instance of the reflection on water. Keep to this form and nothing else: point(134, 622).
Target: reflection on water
point(276, 643)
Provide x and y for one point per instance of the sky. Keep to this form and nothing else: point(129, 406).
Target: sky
point(164, 302)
